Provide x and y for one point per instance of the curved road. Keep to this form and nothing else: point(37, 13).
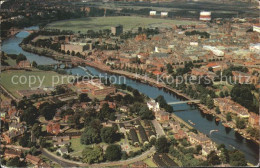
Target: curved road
point(68, 163)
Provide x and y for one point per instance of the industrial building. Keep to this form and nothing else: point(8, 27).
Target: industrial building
point(117, 30)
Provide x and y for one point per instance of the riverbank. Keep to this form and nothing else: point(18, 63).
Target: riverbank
point(155, 83)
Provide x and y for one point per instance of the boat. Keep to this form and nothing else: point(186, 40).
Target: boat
point(213, 131)
point(217, 119)
point(191, 122)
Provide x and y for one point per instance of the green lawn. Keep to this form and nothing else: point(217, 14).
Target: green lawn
point(76, 145)
point(48, 78)
point(128, 22)
point(10, 61)
point(150, 162)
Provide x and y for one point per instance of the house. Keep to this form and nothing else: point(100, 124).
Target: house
point(123, 109)
point(143, 135)
point(162, 116)
point(134, 137)
point(180, 134)
point(24, 64)
point(11, 153)
point(139, 164)
point(253, 119)
point(228, 105)
point(246, 78)
point(153, 105)
point(61, 143)
point(175, 126)
point(63, 151)
point(15, 126)
point(13, 132)
point(61, 138)
point(150, 133)
point(33, 159)
point(207, 148)
point(53, 127)
point(198, 139)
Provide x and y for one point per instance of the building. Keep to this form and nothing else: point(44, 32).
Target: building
point(205, 16)
point(63, 150)
point(254, 119)
point(214, 50)
point(227, 105)
point(153, 105)
point(24, 64)
point(11, 153)
point(198, 139)
point(143, 134)
point(245, 78)
point(33, 159)
point(256, 28)
point(53, 127)
point(15, 131)
point(117, 30)
point(164, 14)
point(134, 137)
point(152, 13)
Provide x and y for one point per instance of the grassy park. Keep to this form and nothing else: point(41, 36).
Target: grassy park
point(128, 22)
point(47, 77)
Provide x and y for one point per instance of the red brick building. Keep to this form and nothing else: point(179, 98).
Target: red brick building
point(53, 128)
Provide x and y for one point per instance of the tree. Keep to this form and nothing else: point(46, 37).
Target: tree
point(34, 64)
point(15, 162)
point(113, 152)
point(20, 57)
point(108, 134)
point(237, 158)
point(83, 97)
point(48, 111)
point(210, 103)
point(90, 136)
point(228, 116)
point(162, 145)
point(37, 130)
point(240, 123)
point(169, 68)
point(24, 140)
point(105, 112)
point(29, 115)
point(92, 155)
point(221, 94)
point(213, 158)
point(218, 110)
point(145, 113)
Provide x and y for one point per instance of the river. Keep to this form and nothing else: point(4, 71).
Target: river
point(203, 123)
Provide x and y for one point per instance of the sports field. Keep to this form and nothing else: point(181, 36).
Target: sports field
point(16, 80)
point(128, 22)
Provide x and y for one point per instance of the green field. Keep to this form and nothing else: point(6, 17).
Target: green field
point(48, 77)
point(128, 22)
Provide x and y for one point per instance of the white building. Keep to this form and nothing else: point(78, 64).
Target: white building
point(256, 27)
point(152, 13)
point(153, 105)
point(164, 14)
point(214, 50)
point(205, 16)
point(194, 43)
point(255, 47)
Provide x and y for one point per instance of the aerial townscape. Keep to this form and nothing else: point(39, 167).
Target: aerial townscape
point(130, 83)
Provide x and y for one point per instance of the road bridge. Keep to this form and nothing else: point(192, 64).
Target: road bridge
point(182, 102)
